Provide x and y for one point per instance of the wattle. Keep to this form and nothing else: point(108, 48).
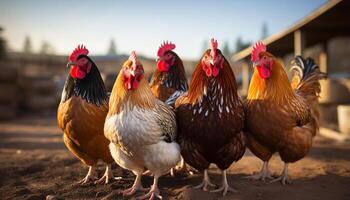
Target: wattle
point(77, 73)
point(163, 66)
point(263, 72)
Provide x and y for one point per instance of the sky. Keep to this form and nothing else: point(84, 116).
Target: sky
point(143, 25)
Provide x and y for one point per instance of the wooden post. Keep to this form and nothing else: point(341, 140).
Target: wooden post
point(245, 78)
point(299, 42)
point(324, 59)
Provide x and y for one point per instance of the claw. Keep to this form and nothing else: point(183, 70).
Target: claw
point(90, 176)
point(284, 177)
point(135, 187)
point(107, 176)
point(154, 192)
point(263, 175)
point(147, 173)
point(225, 187)
point(205, 183)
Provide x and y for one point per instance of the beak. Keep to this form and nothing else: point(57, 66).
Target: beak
point(71, 63)
point(132, 73)
point(157, 59)
point(212, 61)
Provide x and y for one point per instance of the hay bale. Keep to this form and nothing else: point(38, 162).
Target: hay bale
point(8, 93)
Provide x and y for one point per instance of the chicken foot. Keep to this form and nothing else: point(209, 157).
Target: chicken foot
point(205, 183)
point(284, 176)
point(264, 174)
point(225, 187)
point(90, 176)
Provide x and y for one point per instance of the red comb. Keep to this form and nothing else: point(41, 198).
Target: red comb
point(133, 59)
point(257, 49)
point(213, 47)
point(166, 46)
point(80, 50)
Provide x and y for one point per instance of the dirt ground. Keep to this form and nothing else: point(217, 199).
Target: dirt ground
point(35, 163)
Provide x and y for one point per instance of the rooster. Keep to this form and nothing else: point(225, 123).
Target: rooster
point(141, 129)
point(82, 112)
point(211, 118)
point(169, 80)
point(281, 117)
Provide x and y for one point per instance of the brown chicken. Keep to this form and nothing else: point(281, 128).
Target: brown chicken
point(281, 118)
point(211, 117)
point(82, 112)
point(169, 79)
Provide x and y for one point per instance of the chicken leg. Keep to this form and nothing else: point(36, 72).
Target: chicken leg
point(284, 176)
point(90, 176)
point(137, 186)
point(263, 174)
point(107, 176)
point(225, 187)
point(154, 191)
point(205, 183)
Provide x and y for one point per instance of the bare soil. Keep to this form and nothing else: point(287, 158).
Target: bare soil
point(35, 163)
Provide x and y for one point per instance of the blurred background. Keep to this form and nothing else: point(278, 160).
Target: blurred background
point(38, 36)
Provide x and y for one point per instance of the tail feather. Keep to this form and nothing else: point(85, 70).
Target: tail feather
point(306, 76)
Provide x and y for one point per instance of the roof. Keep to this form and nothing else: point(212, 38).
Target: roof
point(328, 21)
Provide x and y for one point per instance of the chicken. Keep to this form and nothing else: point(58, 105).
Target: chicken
point(141, 129)
point(211, 118)
point(169, 81)
point(281, 118)
point(82, 112)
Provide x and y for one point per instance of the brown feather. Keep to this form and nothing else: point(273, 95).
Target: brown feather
point(164, 84)
point(142, 97)
point(277, 118)
point(82, 124)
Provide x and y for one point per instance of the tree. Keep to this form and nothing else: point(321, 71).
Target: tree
point(2, 46)
point(27, 48)
point(112, 50)
point(46, 48)
point(226, 49)
point(264, 31)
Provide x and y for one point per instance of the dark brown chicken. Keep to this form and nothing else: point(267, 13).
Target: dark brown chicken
point(210, 118)
point(281, 118)
point(82, 112)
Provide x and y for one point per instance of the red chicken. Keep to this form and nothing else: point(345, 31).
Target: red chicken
point(210, 118)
